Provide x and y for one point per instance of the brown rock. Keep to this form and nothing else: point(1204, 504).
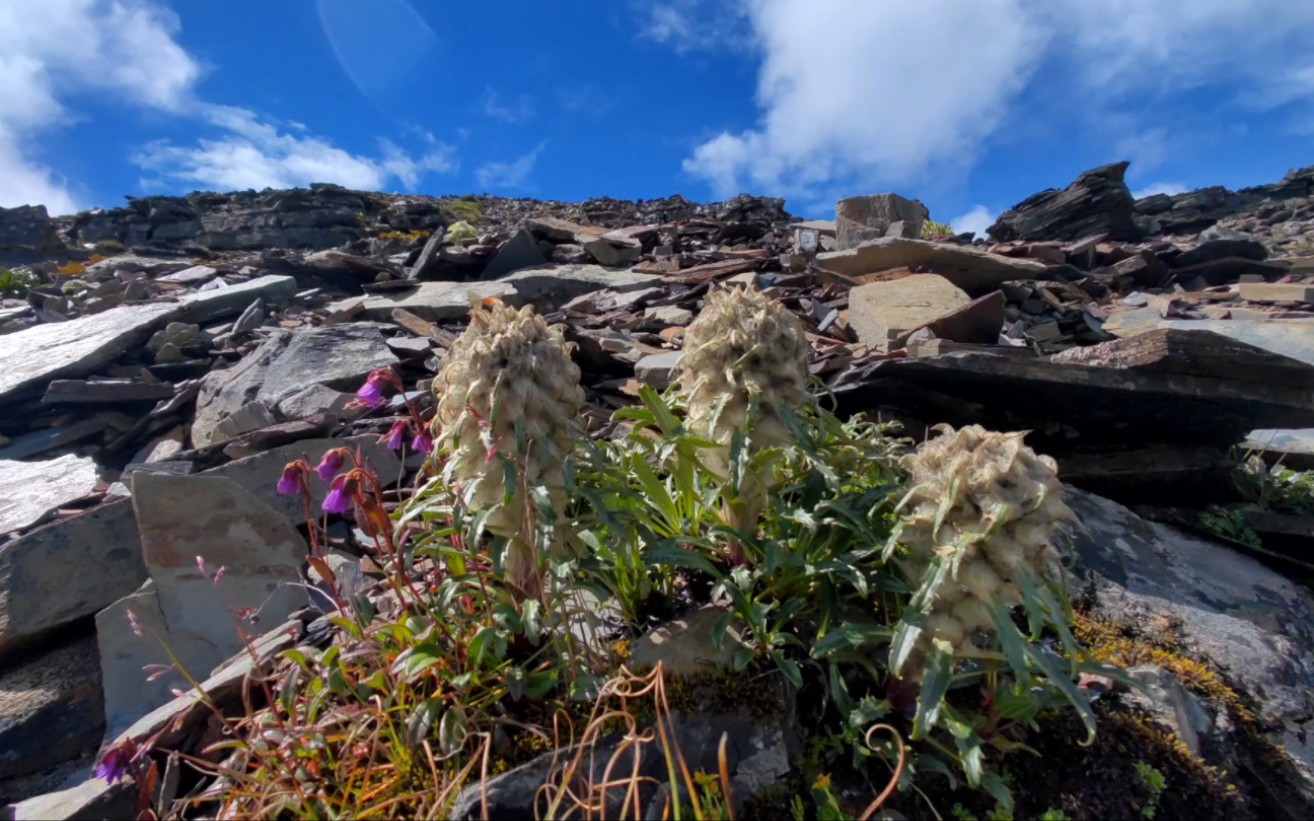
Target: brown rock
point(880, 311)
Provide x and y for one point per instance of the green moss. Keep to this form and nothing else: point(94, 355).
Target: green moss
point(109, 246)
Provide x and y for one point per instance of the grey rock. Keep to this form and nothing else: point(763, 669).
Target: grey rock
point(860, 219)
point(1231, 611)
point(235, 422)
point(78, 347)
point(684, 646)
point(880, 311)
point(50, 708)
point(133, 263)
point(195, 275)
point(1203, 729)
point(161, 448)
point(336, 356)
point(1289, 337)
point(317, 399)
point(30, 490)
point(27, 226)
point(250, 319)
point(434, 301)
point(1097, 202)
point(31, 444)
point(669, 315)
point(126, 693)
point(37, 590)
point(612, 253)
point(972, 269)
point(207, 305)
point(521, 251)
point(658, 369)
point(548, 288)
point(186, 520)
point(178, 334)
point(89, 800)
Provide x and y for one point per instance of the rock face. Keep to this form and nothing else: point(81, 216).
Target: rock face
point(29, 490)
point(50, 709)
point(191, 526)
point(1230, 611)
point(1098, 202)
point(337, 356)
point(62, 349)
point(880, 311)
point(27, 226)
point(862, 219)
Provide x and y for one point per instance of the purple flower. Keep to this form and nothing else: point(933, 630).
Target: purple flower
point(114, 766)
point(371, 393)
point(395, 435)
point(422, 443)
point(290, 483)
point(338, 499)
point(329, 466)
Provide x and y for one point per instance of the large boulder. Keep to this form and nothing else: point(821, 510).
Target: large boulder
point(27, 227)
point(1098, 202)
point(862, 219)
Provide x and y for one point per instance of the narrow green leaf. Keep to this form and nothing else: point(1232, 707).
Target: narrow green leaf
point(935, 683)
point(1012, 641)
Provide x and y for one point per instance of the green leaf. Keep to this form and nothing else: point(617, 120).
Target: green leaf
point(935, 683)
point(660, 411)
point(742, 657)
point(416, 660)
point(1011, 640)
point(791, 670)
point(906, 634)
point(421, 722)
point(1065, 685)
point(969, 748)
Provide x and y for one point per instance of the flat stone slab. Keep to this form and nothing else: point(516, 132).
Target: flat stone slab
point(32, 357)
point(30, 490)
point(204, 306)
point(549, 287)
point(880, 311)
point(434, 301)
point(975, 271)
point(1289, 337)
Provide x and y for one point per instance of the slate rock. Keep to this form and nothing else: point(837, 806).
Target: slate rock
point(32, 357)
point(184, 521)
point(1098, 201)
point(548, 288)
point(521, 251)
point(204, 306)
point(66, 571)
point(434, 301)
point(1230, 611)
point(684, 645)
point(880, 311)
point(92, 799)
point(30, 490)
point(27, 226)
point(50, 708)
point(971, 269)
point(285, 364)
point(861, 219)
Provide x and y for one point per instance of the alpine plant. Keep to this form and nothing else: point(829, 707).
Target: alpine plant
point(745, 354)
point(988, 505)
point(509, 410)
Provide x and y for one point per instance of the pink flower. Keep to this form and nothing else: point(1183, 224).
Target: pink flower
point(422, 443)
point(114, 766)
point(290, 483)
point(395, 436)
point(340, 493)
point(329, 466)
point(371, 393)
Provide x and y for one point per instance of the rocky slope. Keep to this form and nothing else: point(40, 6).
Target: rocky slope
point(160, 364)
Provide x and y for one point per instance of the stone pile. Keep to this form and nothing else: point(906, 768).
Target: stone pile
point(171, 356)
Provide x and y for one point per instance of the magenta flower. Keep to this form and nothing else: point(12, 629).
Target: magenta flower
point(329, 466)
point(422, 443)
point(395, 435)
point(290, 483)
point(339, 496)
point(114, 766)
point(371, 393)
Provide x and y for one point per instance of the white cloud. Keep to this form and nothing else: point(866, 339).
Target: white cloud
point(125, 51)
point(855, 89)
point(862, 94)
point(512, 174)
point(122, 49)
point(254, 153)
point(692, 25)
point(519, 110)
point(976, 221)
point(1169, 188)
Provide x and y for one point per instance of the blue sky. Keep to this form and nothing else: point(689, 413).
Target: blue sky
point(968, 105)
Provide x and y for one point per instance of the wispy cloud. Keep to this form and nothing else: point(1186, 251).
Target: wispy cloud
point(847, 95)
point(509, 175)
point(976, 221)
point(515, 111)
point(1153, 188)
point(124, 50)
point(694, 25)
point(250, 152)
